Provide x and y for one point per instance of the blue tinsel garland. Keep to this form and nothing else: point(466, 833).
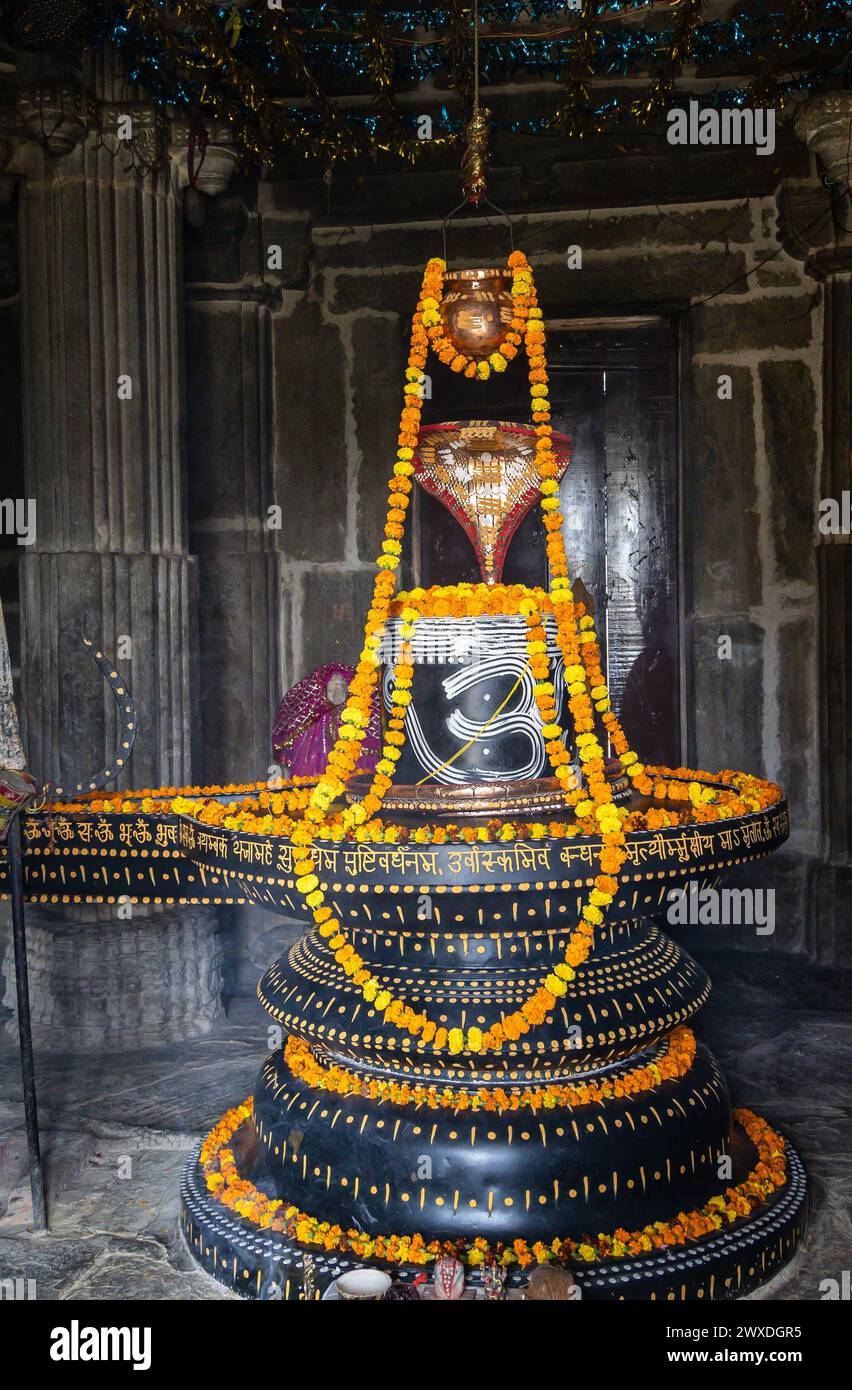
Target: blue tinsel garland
point(620, 51)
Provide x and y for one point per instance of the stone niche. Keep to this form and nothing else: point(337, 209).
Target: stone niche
point(97, 983)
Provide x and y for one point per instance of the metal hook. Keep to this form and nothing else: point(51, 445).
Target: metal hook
point(464, 203)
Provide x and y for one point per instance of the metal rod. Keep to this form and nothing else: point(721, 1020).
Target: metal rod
point(16, 877)
point(450, 217)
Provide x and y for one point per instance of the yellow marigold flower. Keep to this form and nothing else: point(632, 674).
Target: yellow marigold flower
point(555, 985)
point(370, 990)
point(474, 1039)
point(382, 1000)
point(455, 1040)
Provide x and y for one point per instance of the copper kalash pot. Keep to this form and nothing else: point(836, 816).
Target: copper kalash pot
point(477, 309)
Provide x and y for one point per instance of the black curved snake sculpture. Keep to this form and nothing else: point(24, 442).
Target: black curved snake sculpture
point(127, 710)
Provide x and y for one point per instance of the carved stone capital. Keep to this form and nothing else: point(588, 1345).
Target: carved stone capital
point(213, 168)
point(822, 122)
point(812, 226)
point(54, 112)
point(138, 127)
point(53, 106)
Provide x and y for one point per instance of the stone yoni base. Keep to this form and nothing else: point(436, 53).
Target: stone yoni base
point(729, 1264)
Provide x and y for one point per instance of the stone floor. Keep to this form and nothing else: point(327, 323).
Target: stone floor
point(116, 1129)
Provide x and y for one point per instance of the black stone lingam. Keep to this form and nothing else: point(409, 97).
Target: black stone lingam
point(473, 716)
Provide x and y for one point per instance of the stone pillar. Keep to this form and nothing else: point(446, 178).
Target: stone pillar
point(834, 570)
point(823, 123)
point(98, 985)
point(101, 349)
point(229, 448)
point(99, 240)
point(11, 471)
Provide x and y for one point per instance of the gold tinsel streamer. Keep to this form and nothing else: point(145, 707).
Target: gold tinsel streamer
point(580, 67)
point(200, 53)
point(229, 94)
point(687, 17)
point(459, 41)
point(380, 64)
point(288, 50)
point(201, 56)
point(765, 89)
point(277, 130)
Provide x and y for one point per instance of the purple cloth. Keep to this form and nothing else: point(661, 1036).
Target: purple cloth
point(307, 723)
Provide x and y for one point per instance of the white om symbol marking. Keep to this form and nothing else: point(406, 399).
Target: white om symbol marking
point(519, 717)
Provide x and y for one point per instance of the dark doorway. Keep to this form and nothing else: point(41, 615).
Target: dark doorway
point(613, 386)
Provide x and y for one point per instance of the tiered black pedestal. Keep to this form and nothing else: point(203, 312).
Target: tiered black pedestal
point(496, 919)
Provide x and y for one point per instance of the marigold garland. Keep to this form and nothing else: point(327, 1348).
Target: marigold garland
point(574, 630)
point(593, 806)
point(694, 796)
point(673, 1064)
point(468, 600)
point(223, 1181)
